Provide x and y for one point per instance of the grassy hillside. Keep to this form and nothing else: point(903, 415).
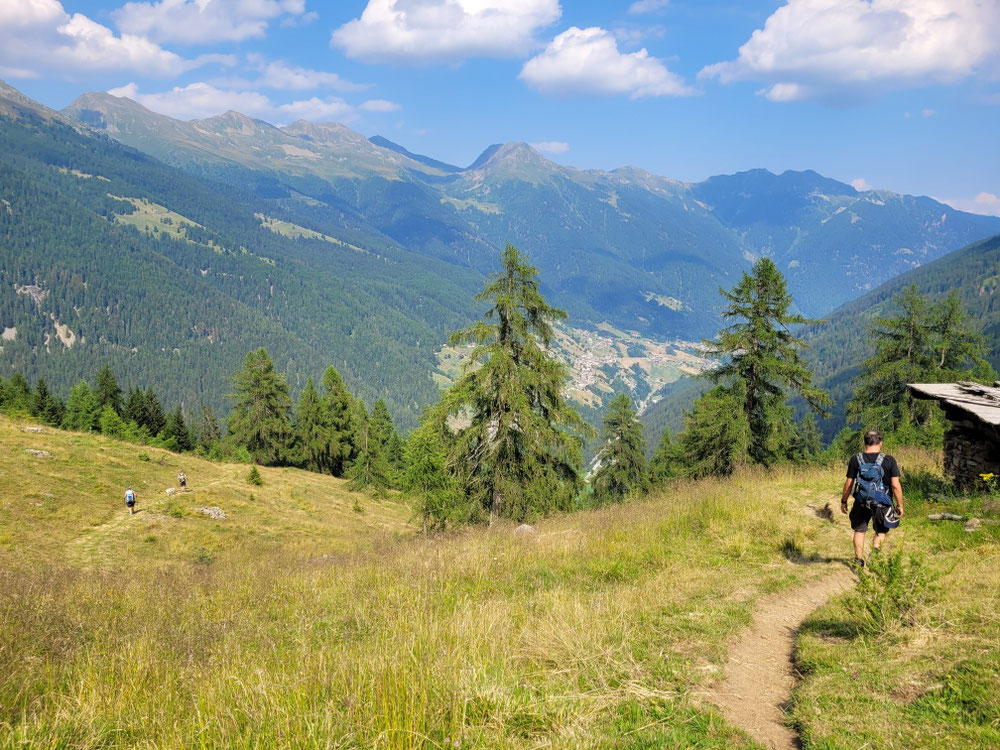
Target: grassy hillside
point(599, 630)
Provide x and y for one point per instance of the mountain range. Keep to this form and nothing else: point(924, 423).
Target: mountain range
point(332, 248)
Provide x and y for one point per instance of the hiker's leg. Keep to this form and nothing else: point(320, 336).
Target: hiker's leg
point(859, 545)
point(879, 538)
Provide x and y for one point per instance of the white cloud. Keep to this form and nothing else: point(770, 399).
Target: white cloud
point(40, 36)
point(200, 100)
point(201, 21)
point(647, 6)
point(380, 105)
point(304, 20)
point(551, 147)
point(838, 48)
point(281, 75)
point(987, 204)
point(587, 61)
point(425, 31)
point(860, 184)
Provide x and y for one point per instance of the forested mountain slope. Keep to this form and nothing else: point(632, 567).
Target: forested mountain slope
point(640, 251)
point(108, 256)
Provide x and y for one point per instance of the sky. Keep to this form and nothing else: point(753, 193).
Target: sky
point(901, 95)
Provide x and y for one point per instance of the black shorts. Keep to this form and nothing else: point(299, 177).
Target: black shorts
point(861, 515)
point(130, 503)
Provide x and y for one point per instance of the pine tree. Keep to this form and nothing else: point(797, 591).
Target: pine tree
point(666, 463)
point(259, 420)
point(111, 424)
point(716, 437)
point(153, 417)
point(759, 351)
point(312, 430)
point(426, 475)
point(19, 398)
point(520, 453)
point(806, 443)
point(208, 428)
point(390, 444)
point(177, 429)
point(45, 406)
point(922, 343)
point(339, 408)
point(623, 455)
point(370, 468)
point(108, 393)
point(134, 408)
point(82, 411)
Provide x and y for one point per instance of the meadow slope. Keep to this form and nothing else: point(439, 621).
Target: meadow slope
point(299, 621)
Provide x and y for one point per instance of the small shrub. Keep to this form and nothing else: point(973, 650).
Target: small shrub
point(143, 456)
point(174, 509)
point(202, 556)
point(358, 507)
point(254, 477)
point(889, 594)
point(252, 498)
point(151, 539)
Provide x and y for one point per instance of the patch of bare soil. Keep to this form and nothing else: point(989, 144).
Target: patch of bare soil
point(760, 674)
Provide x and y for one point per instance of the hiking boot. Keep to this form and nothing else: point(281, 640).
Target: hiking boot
point(858, 566)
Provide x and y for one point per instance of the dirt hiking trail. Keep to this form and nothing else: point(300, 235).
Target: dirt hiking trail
point(760, 674)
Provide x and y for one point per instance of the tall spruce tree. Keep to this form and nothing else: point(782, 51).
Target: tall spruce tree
point(923, 342)
point(666, 462)
point(519, 455)
point(45, 405)
point(716, 436)
point(370, 468)
point(177, 429)
point(426, 476)
point(623, 454)
point(19, 394)
point(312, 430)
point(758, 350)
point(134, 407)
point(208, 428)
point(153, 417)
point(339, 410)
point(259, 420)
point(82, 410)
point(108, 392)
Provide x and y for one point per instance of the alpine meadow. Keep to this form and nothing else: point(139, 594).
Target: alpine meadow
point(311, 439)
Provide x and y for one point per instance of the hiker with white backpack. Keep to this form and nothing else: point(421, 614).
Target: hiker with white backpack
point(130, 501)
point(869, 473)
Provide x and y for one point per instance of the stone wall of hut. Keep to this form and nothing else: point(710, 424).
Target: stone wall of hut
point(969, 451)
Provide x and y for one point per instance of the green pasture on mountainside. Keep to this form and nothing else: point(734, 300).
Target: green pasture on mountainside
point(312, 616)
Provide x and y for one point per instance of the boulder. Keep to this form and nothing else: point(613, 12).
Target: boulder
point(37, 453)
point(524, 530)
point(213, 511)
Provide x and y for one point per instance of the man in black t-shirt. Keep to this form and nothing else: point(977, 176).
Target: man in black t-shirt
point(861, 515)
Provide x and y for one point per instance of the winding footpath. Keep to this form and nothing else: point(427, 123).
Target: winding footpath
point(760, 674)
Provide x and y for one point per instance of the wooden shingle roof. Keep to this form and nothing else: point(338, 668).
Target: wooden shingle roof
point(981, 402)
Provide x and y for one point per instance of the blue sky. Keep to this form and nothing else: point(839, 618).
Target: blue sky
point(896, 94)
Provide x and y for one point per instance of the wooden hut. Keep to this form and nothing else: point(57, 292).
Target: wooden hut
point(972, 442)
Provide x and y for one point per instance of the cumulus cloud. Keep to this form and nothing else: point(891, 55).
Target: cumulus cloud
point(423, 31)
point(987, 204)
point(837, 48)
point(860, 184)
point(647, 6)
point(281, 75)
point(200, 100)
point(40, 36)
point(201, 21)
point(587, 61)
point(380, 105)
point(551, 147)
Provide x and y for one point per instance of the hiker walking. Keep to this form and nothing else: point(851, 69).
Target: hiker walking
point(868, 473)
point(130, 501)
point(182, 479)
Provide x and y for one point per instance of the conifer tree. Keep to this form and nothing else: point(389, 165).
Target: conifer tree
point(716, 436)
point(426, 476)
point(259, 420)
point(312, 430)
point(339, 409)
point(108, 392)
point(759, 351)
point(82, 411)
point(370, 468)
point(134, 408)
point(208, 428)
point(177, 429)
point(623, 455)
point(45, 406)
point(806, 441)
point(19, 394)
point(111, 424)
point(520, 453)
point(666, 463)
point(922, 343)
point(152, 413)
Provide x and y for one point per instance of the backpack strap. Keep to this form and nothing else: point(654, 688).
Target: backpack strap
point(880, 459)
point(861, 460)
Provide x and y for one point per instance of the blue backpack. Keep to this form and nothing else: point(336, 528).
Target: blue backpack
point(869, 485)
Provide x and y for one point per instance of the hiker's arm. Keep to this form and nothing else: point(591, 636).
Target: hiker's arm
point(848, 484)
point(897, 493)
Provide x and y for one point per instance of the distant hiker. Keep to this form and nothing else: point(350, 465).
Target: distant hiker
point(130, 500)
point(868, 473)
point(182, 479)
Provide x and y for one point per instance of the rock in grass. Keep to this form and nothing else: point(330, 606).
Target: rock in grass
point(213, 511)
point(37, 453)
point(524, 530)
point(33, 428)
point(973, 524)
